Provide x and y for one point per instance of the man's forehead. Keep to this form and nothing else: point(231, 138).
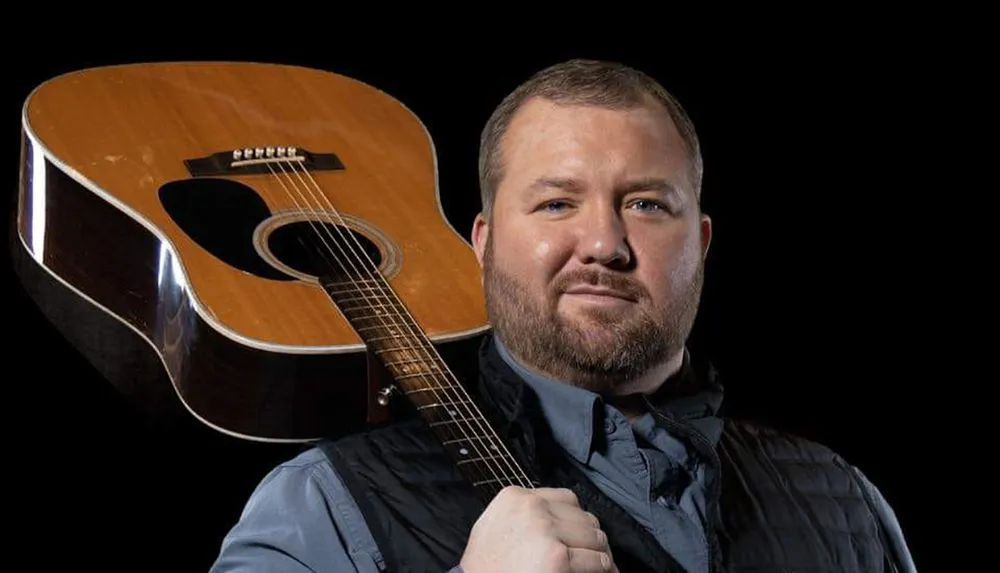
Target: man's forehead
point(537, 112)
point(544, 131)
point(543, 122)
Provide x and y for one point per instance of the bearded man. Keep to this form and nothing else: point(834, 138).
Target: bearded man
point(592, 243)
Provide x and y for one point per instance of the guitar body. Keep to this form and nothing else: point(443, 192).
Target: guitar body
point(133, 202)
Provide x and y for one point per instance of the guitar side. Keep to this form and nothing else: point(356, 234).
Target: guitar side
point(76, 240)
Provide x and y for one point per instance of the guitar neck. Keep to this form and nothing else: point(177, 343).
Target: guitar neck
point(385, 325)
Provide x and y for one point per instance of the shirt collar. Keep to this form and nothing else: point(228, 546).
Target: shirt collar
point(693, 396)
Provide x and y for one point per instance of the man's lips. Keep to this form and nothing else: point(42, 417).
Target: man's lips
point(599, 291)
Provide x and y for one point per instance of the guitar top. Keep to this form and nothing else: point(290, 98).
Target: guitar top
point(260, 226)
point(155, 140)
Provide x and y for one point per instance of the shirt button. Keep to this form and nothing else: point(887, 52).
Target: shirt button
point(609, 425)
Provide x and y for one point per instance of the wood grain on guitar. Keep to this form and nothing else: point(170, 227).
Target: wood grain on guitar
point(266, 229)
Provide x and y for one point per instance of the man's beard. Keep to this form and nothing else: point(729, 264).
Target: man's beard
point(600, 348)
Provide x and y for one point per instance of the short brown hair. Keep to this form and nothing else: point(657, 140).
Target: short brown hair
point(581, 82)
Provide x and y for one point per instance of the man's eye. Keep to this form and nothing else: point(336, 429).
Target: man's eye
point(647, 204)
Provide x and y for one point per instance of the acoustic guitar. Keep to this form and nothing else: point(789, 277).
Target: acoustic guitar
point(274, 233)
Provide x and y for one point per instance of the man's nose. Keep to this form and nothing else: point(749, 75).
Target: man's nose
point(602, 238)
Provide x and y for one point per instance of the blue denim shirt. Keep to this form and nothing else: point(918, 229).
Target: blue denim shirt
point(301, 518)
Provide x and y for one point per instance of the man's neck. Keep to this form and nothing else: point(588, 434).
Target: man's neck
point(652, 380)
point(628, 398)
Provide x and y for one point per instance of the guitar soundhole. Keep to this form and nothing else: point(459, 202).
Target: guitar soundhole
point(324, 250)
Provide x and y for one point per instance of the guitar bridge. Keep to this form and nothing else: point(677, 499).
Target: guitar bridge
point(261, 161)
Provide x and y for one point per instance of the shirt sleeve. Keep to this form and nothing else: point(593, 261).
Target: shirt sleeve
point(299, 519)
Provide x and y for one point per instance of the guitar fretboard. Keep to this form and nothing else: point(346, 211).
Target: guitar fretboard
point(384, 324)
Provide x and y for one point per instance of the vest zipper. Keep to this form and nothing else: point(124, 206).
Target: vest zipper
point(715, 484)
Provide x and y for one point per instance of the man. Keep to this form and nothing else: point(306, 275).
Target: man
point(592, 244)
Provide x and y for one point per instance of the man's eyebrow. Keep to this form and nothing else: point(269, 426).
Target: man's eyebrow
point(655, 184)
point(564, 183)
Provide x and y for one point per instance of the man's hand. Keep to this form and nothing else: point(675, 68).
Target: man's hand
point(537, 531)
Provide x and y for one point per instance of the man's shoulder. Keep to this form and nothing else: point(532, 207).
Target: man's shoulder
point(815, 468)
point(318, 467)
point(400, 426)
point(308, 473)
point(308, 460)
point(777, 443)
point(778, 462)
point(315, 468)
point(762, 430)
point(317, 473)
point(294, 518)
point(314, 461)
point(406, 436)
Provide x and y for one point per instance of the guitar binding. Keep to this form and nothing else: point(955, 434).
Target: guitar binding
point(259, 161)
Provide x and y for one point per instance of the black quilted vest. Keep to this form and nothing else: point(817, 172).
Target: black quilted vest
point(778, 503)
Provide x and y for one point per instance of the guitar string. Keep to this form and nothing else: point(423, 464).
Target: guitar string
point(405, 325)
point(471, 442)
point(456, 384)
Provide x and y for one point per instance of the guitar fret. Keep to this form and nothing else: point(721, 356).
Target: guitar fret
point(387, 322)
point(418, 374)
point(398, 348)
point(479, 459)
point(377, 307)
point(441, 405)
point(373, 298)
point(464, 440)
point(404, 362)
point(453, 421)
point(353, 280)
point(390, 337)
point(471, 443)
point(486, 481)
point(434, 389)
point(366, 328)
point(362, 298)
point(375, 290)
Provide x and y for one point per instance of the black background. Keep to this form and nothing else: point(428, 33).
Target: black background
point(816, 308)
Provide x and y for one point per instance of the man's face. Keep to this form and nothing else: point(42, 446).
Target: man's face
point(593, 198)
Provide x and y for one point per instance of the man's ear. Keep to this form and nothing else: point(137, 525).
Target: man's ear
point(706, 235)
point(480, 233)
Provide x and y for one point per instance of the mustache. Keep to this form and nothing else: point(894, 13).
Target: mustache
point(600, 279)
